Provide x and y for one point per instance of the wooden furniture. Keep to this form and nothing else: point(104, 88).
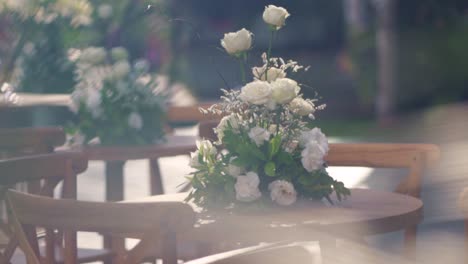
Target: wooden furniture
point(347, 252)
point(15, 142)
point(366, 212)
point(116, 156)
point(414, 157)
point(50, 169)
point(271, 254)
point(158, 221)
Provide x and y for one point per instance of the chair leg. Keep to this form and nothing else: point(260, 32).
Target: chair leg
point(410, 242)
point(466, 241)
point(114, 192)
point(327, 249)
point(169, 248)
point(156, 185)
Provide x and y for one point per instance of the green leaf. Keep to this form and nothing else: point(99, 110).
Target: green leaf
point(274, 146)
point(270, 169)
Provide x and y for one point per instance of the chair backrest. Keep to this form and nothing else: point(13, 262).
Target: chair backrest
point(50, 169)
point(206, 129)
point(16, 142)
point(157, 221)
point(414, 157)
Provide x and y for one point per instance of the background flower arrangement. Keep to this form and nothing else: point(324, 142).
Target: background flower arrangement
point(116, 102)
point(37, 61)
point(266, 147)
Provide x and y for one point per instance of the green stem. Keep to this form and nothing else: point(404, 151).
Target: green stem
point(269, 53)
point(242, 67)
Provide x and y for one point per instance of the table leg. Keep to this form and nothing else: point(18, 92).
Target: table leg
point(327, 249)
point(114, 181)
point(156, 185)
point(410, 242)
point(114, 192)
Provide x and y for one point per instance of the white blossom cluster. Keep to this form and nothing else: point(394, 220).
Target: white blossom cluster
point(107, 80)
point(78, 11)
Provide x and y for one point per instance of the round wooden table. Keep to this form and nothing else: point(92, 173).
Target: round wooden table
point(365, 212)
point(116, 156)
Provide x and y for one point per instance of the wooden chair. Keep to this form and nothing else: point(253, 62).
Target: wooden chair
point(50, 169)
point(150, 221)
point(414, 157)
point(16, 142)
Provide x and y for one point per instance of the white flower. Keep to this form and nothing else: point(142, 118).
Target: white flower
point(135, 121)
point(206, 148)
point(234, 170)
point(312, 156)
point(119, 53)
point(120, 69)
point(93, 55)
point(259, 135)
point(314, 135)
point(301, 106)
point(230, 120)
point(247, 187)
point(141, 66)
point(236, 42)
point(257, 92)
point(291, 146)
point(194, 159)
point(93, 102)
point(104, 11)
point(275, 16)
point(271, 75)
point(284, 90)
point(282, 192)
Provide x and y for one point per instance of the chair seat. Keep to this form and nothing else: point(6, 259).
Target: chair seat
point(85, 255)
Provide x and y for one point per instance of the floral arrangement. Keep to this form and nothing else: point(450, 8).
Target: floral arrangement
point(37, 27)
point(115, 102)
point(266, 147)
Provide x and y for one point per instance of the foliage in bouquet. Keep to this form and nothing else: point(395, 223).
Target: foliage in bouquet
point(37, 61)
point(266, 148)
point(116, 102)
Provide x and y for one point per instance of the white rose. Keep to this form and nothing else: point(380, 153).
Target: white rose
point(230, 120)
point(120, 69)
point(275, 16)
point(314, 135)
point(135, 121)
point(206, 148)
point(104, 11)
point(194, 159)
point(284, 90)
point(312, 156)
point(236, 42)
point(271, 75)
point(301, 106)
point(93, 55)
point(257, 92)
point(93, 102)
point(282, 192)
point(247, 187)
point(259, 135)
point(119, 53)
point(234, 170)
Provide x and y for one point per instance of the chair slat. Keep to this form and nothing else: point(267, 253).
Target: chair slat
point(43, 166)
point(381, 155)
